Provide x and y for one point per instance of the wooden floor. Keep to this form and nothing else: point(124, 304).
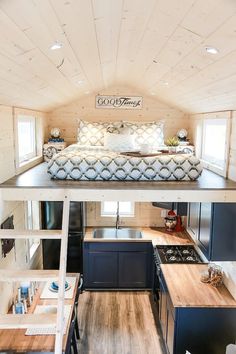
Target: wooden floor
point(117, 323)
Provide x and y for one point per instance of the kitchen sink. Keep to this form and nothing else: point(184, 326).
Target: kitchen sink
point(110, 233)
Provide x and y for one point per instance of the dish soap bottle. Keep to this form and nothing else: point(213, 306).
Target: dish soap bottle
point(19, 307)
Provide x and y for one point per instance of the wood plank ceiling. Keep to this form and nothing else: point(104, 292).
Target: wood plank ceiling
point(156, 46)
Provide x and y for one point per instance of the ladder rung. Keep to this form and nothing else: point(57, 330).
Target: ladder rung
point(33, 275)
point(21, 234)
point(27, 321)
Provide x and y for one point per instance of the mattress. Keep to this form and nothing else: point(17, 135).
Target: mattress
point(88, 163)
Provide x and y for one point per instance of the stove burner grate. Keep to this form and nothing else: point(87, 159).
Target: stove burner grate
point(178, 254)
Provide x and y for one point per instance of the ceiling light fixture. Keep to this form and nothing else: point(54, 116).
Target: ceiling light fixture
point(212, 50)
point(80, 82)
point(56, 45)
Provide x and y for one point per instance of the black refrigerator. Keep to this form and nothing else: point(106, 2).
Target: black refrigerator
point(52, 220)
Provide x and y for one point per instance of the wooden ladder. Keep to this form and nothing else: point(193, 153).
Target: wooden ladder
point(10, 321)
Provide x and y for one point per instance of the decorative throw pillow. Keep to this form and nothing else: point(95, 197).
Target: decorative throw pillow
point(92, 133)
point(150, 133)
point(119, 142)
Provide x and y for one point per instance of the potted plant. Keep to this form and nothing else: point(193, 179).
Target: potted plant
point(172, 143)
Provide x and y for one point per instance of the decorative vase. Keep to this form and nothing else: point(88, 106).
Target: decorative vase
point(172, 149)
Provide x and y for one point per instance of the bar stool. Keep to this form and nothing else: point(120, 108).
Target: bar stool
point(79, 290)
point(71, 340)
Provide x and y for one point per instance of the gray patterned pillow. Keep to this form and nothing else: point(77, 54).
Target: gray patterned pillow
point(147, 133)
point(92, 133)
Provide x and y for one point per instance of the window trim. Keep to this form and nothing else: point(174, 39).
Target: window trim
point(32, 154)
point(32, 244)
point(19, 168)
point(125, 215)
point(207, 164)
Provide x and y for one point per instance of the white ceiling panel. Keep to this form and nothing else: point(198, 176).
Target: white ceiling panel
point(156, 46)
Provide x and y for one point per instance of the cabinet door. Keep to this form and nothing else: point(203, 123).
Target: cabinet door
point(133, 272)
point(163, 309)
point(170, 332)
point(193, 219)
point(102, 270)
point(223, 243)
point(205, 228)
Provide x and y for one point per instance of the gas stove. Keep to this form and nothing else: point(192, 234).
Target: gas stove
point(177, 254)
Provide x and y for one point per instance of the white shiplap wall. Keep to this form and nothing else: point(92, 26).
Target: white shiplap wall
point(16, 259)
point(195, 127)
point(66, 117)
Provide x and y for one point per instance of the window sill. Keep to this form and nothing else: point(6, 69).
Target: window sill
point(33, 249)
point(214, 168)
point(114, 215)
point(28, 164)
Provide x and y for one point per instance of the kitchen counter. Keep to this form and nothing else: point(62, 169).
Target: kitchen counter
point(158, 236)
point(187, 290)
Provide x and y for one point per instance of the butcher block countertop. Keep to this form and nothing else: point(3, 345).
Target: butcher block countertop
point(187, 290)
point(158, 236)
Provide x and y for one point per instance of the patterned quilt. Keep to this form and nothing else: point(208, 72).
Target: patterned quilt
point(97, 164)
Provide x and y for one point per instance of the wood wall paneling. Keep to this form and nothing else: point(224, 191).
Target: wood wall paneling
point(66, 117)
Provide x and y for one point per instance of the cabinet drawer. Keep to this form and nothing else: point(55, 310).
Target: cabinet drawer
point(114, 246)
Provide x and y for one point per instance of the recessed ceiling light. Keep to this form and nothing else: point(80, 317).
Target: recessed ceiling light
point(212, 50)
point(56, 45)
point(152, 93)
point(80, 82)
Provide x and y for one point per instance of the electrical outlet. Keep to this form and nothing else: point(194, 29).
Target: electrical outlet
point(163, 213)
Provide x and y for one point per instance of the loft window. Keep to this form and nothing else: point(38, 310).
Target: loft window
point(126, 209)
point(215, 144)
point(26, 133)
point(32, 223)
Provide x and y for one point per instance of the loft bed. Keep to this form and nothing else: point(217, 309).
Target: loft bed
point(118, 137)
point(36, 184)
point(116, 151)
point(96, 163)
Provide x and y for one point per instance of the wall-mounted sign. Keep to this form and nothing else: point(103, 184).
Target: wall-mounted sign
point(119, 102)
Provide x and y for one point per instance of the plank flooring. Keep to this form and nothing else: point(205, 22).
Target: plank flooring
point(117, 323)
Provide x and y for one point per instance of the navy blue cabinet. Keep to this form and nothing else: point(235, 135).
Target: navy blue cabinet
point(197, 330)
point(133, 270)
point(213, 227)
point(205, 222)
point(193, 220)
point(102, 270)
point(163, 307)
point(123, 265)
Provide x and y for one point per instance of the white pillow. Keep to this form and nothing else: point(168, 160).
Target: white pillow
point(92, 133)
point(147, 132)
point(119, 142)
